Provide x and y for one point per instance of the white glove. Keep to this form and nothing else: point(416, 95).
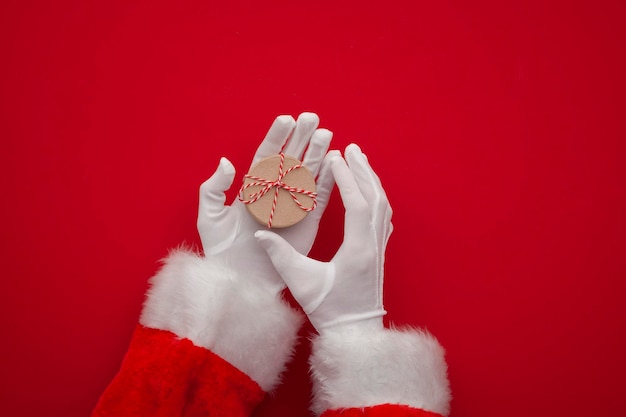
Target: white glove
point(227, 232)
point(348, 289)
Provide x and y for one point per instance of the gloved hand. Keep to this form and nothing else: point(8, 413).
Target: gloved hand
point(348, 289)
point(227, 232)
point(228, 301)
point(358, 367)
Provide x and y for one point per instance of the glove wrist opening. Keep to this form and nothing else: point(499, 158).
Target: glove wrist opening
point(365, 322)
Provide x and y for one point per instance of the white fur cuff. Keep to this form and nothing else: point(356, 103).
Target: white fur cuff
point(361, 368)
point(248, 325)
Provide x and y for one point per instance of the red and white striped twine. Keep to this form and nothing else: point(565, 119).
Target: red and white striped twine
point(278, 184)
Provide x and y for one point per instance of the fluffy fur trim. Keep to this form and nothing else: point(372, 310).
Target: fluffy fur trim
point(243, 322)
point(355, 367)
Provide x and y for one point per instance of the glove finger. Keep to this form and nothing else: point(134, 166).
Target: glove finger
point(380, 209)
point(275, 138)
point(318, 146)
point(212, 197)
point(370, 166)
point(363, 174)
point(388, 213)
point(306, 278)
point(281, 253)
point(325, 183)
point(371, 187)
point(357, 219)
point(305, 126)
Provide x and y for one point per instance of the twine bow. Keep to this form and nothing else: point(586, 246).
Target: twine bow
point(277, 184)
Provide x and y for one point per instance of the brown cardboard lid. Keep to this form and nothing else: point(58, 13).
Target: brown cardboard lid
point(287, 213)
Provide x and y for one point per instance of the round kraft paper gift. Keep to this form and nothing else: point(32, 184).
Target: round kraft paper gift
point(279, 191)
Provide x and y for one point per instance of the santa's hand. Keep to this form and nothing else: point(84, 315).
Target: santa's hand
point(348, 289)
point(227, 231)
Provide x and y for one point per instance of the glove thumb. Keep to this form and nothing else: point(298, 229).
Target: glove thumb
point(212, 197)
point(308, 280)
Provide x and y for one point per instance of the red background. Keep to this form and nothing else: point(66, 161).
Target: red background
point(496, 127)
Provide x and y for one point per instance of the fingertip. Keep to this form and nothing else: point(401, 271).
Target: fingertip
point(264, 238)
point(341, 172)
point(322, 132)
point(276, 247)
point(336, 161)
point(260, 235)
point(308, 117)
point(333, 154)
point(226, 166)
point(330, 155)
point(285, 120)
point(353, 148)
point(354, 155)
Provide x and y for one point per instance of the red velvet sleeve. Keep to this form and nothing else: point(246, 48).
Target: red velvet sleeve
point(163, 375)
point(383, 410)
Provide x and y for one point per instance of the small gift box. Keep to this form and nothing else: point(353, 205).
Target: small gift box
point(278, 191)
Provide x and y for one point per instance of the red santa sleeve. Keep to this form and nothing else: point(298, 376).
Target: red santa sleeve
point(208, 342)
point(365, 372)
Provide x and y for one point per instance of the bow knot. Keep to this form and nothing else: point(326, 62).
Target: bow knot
point(277, 184)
